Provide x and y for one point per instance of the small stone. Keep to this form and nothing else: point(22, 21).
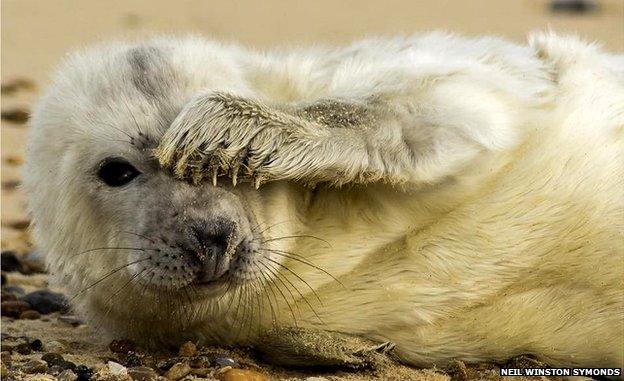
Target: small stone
point(55, 370)
point(13, 85)
point(55, 359)
point(166, 364)
point(142, 373)
point(104, 374)
point(130, 359)
point(226, 361)
point(3, 370)
point(117, 369)
point(35, 366)
point(242, 375)
point(5, 356)
point(36, 345)
point(10, 262)
point(41, 377)
point(83, 373)
point(30, 315)
point(23, 349)
point(46, 301)
point(16, 290)
point(52, 358)
point(7, 296)
point(177, 371)
point(188, 349)
point(55, 346)
point(202, 372)
point(200, 362)
point(573, 6)
point(68, 365)
point(15, 115)
point(71, 320)
point(122, 346)
point(67, 375)
point(14, 308)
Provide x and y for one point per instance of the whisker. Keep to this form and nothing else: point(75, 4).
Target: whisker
point(115, 248)
point(297, 290)
point(292, 312)
point(297, 236)
point(107, 276)
point(139, 235)
point(301, 259)
point(272, 226)
point(267, 280)
point(298, 277)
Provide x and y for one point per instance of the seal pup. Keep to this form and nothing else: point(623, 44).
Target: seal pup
point(455, 198)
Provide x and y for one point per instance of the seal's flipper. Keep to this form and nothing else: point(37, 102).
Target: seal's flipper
point(300, 347)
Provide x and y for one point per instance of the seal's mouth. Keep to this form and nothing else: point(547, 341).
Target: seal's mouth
point(206, 281)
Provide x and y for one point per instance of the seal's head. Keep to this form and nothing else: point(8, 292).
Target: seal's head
point(139, 251)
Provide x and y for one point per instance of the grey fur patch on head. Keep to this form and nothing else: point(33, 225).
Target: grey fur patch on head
point(151, 73)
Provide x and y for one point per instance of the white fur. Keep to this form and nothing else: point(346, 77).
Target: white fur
point(506, 236)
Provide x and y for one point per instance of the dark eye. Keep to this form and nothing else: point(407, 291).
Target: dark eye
point(116, 172)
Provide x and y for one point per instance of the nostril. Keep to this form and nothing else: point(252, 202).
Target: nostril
point(209, 242)
point(214, 238)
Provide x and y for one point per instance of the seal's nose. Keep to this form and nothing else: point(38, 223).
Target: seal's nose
point(214, 242)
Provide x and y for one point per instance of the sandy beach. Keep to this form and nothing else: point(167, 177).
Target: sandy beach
point(37, 34)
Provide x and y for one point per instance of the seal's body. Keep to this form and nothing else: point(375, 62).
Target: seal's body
point(460, 198)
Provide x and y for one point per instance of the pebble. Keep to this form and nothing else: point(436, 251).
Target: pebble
point(573, 6)
point(71, 320)
point(13, 85)
point(8, 296)
point(226, 361)
point(16, 290)
point(142, 373)
point(15, 115)
point(242, 375)
point(122, 346)
point(67, 375)
point(104, 375)
point(46, 301)
point(30, 315)
point(9, 262)
point(200, 362)
point(36, 345)
point(201, 372)
point(55, 346)
point(166, 364)
point(41, 377)
point(117, 369)
point(83, 373)
point(35, 366)
point(177, 371)
point(55, 359)
point(5, 356)
point(130, 359)
point(188, 349)
point(14, 308)
point(52, 358)
point(23, 349)
point(3, 371)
